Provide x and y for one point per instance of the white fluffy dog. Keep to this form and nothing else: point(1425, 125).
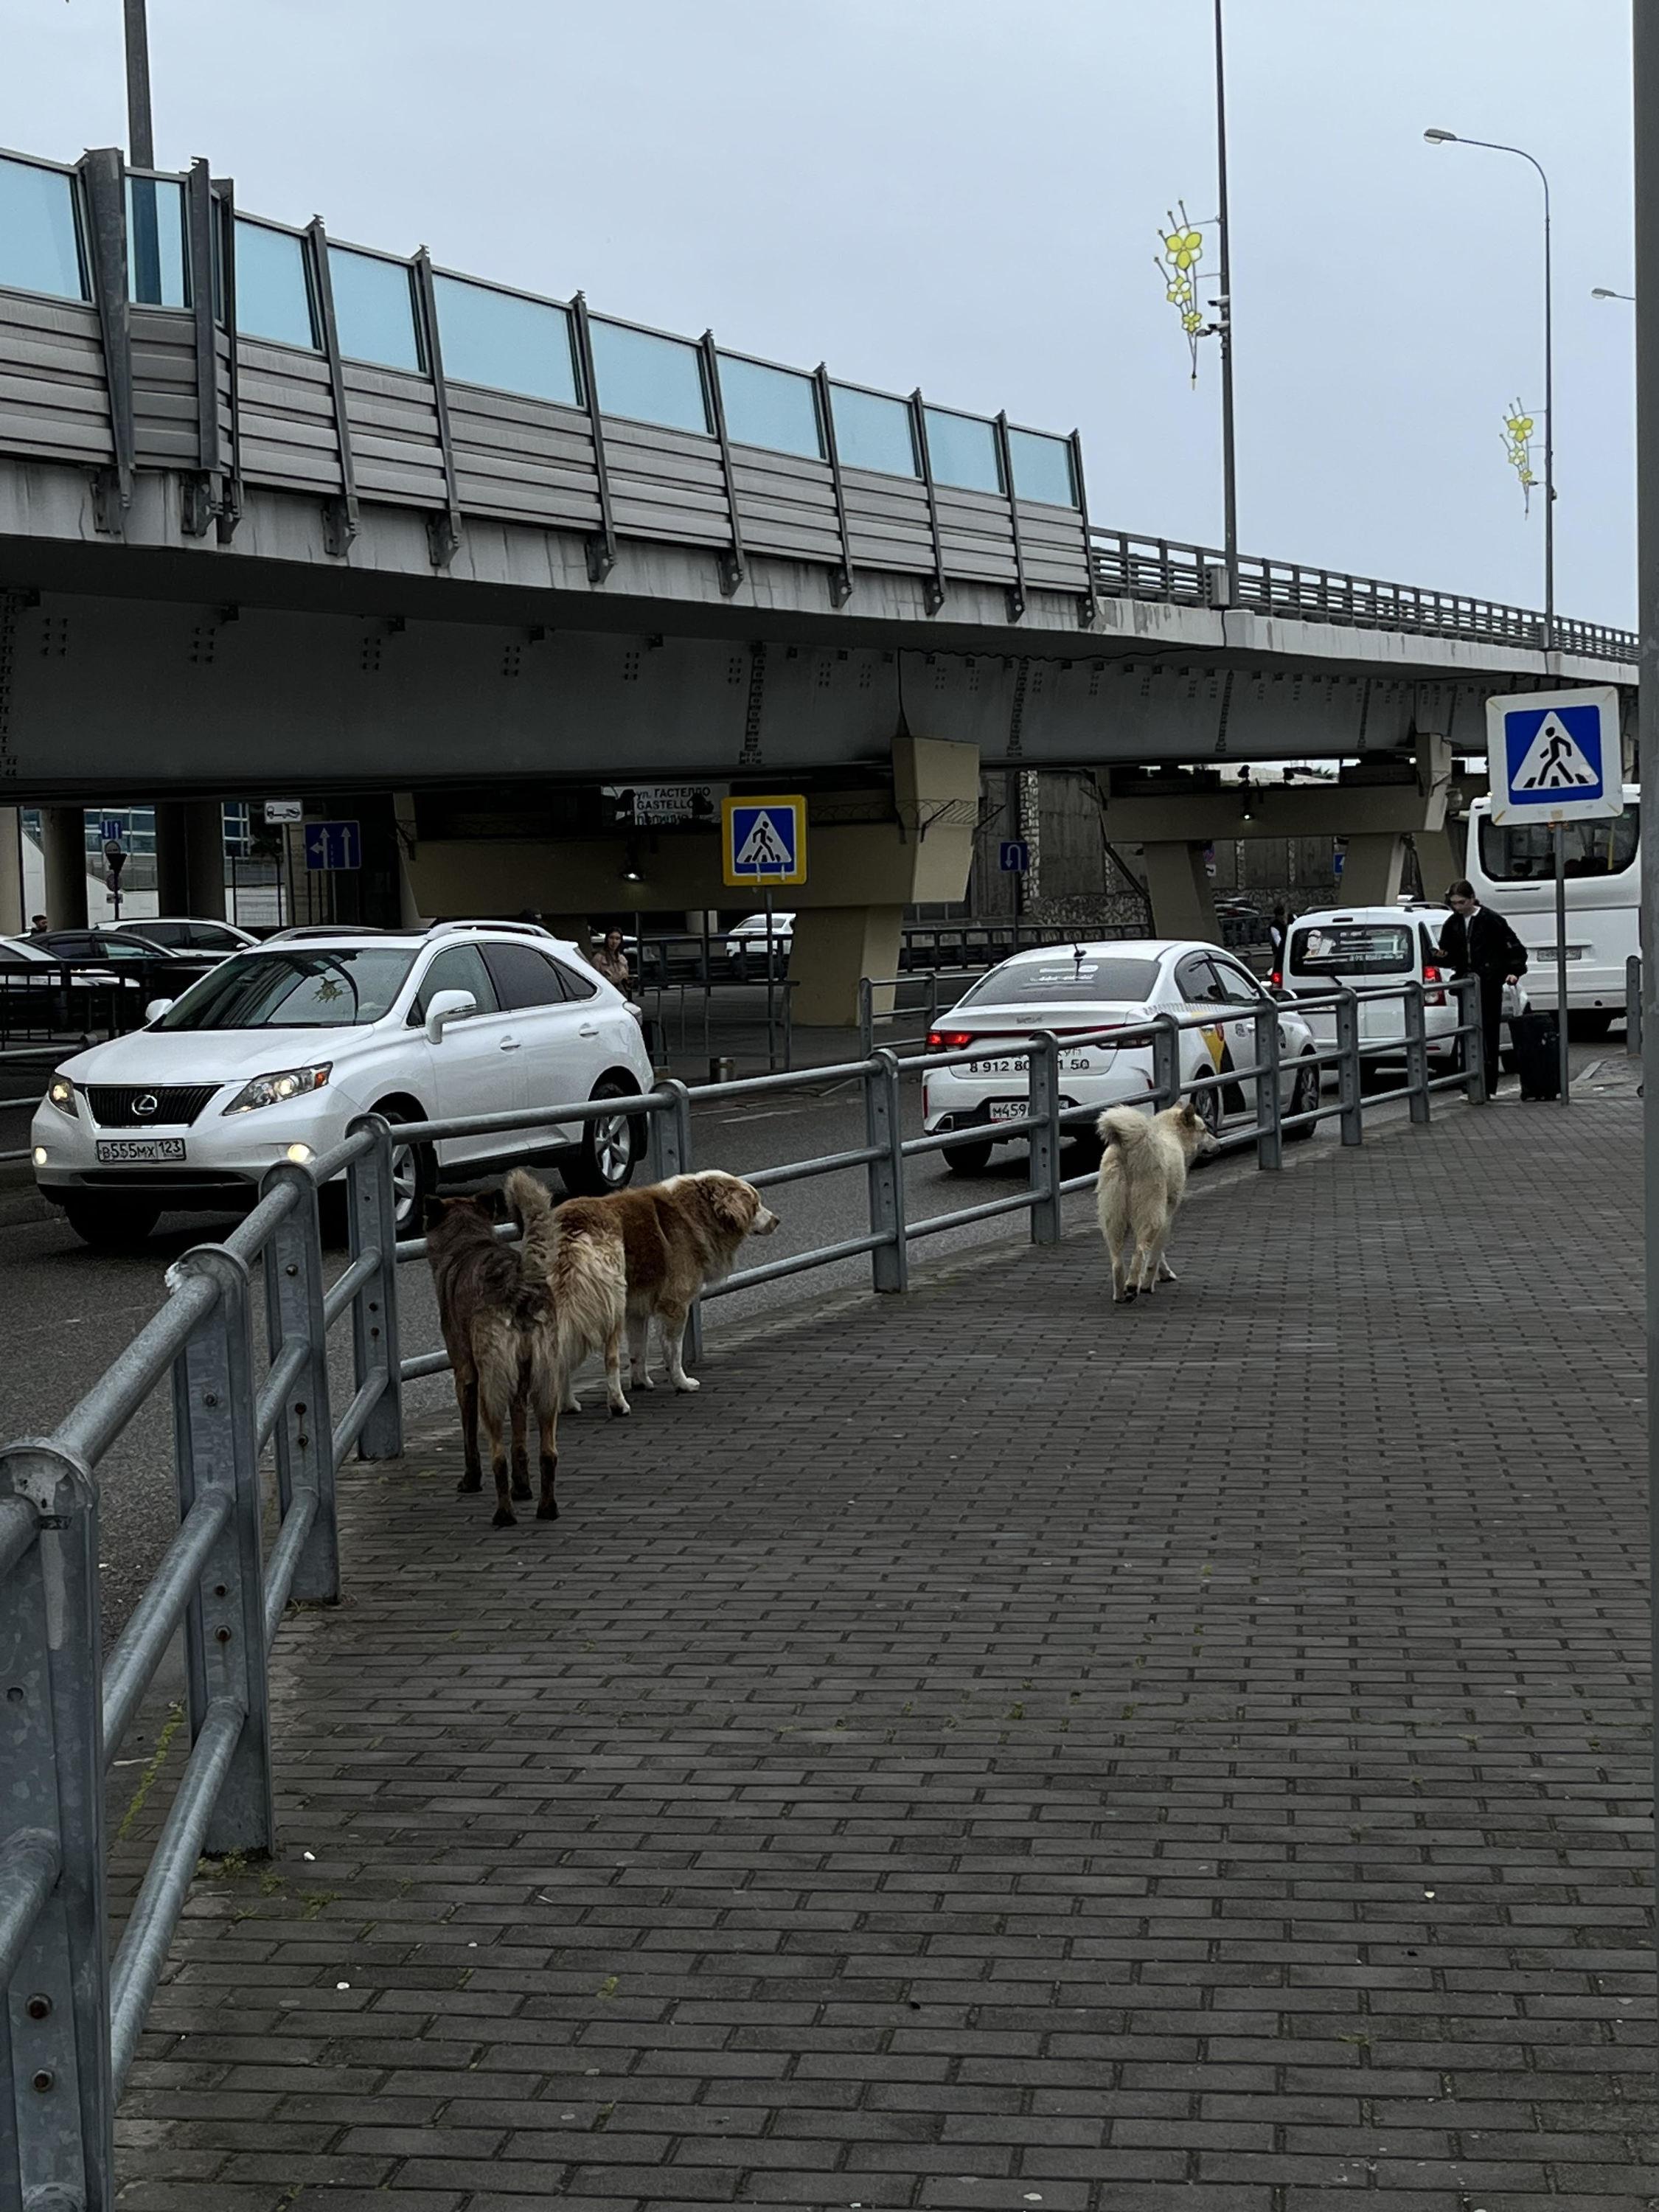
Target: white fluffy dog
point(1142, 1181)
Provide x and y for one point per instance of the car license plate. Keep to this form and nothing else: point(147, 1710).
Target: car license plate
point(124, 1152)
point(1009, 1110)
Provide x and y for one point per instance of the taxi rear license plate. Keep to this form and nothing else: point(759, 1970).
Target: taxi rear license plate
point(1009, 1110)
point(127, 1151)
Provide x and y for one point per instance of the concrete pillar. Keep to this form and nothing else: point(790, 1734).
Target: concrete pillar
point(204, 835)
point(833, 949)
point(190, 857)
point(1372, 872)
point(402, 814)
point(1439, 860)
point(1179, 887)
point(13, 919)
point(64, 848)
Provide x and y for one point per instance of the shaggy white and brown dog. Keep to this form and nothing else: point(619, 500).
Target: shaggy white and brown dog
point(1142, 1181)
point(679, 1237)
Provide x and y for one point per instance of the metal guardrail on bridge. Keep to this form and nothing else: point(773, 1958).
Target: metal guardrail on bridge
point(170, 330)
point(75, 2016)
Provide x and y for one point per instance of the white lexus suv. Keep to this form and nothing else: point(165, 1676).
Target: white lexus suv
point(272, 1054)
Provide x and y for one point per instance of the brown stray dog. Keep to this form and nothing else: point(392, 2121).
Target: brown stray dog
point(679, 1237)
point(498, 1326)
point(575, 1252)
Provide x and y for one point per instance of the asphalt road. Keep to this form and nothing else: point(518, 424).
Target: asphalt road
point(65, 1311)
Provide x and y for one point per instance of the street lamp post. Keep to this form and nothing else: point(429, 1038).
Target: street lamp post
point(1490, 146)
point(1605, 292)
point(1224, 323)
point(140, 134)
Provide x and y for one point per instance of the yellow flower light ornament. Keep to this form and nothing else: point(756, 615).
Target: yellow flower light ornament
point(1182, 245)
point(1518, 428)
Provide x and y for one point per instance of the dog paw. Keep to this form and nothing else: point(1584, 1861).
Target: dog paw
point(640, 1383)
point(687, 1382)
point(619, 1409)
point(521, 1490)
point(469, 1482)
point(503, 1517)
point(547, 1512)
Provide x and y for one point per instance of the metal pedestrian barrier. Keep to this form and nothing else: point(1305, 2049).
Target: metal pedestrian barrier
point(257, 1442)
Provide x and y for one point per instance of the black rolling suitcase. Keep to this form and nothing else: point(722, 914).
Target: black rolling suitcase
point(1537, 1054)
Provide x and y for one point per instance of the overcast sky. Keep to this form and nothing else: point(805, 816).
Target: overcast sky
point(966, 195)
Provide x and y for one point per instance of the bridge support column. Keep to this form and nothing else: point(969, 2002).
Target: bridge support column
point(190, 857)
point(1374, 868)
point(1439, 860)
point(1182, 895)
point(834, 947)
point(64, 848)
point(12, 917)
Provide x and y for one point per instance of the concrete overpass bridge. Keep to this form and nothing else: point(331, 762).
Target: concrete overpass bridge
point(279, 513)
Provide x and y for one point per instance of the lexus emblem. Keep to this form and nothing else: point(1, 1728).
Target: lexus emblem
point(146, 1104)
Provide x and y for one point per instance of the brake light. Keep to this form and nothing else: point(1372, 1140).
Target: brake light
point(948, 1039)
point(1431, 975)
point(1277, 977)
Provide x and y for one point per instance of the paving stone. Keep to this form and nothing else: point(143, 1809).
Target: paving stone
point(988, 1748)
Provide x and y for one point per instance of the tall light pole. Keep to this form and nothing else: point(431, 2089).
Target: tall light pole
point(1490, 146)
point(140, 134)
point(1645, 52)
point(1224, 323)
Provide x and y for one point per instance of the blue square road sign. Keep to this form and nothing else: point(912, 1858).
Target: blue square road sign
point(333, 845)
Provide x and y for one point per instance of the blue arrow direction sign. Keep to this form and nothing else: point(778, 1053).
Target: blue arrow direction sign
point(333, 845)
point(110, 829)
point(1014, 857)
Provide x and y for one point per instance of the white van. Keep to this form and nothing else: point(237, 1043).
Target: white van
point(1512, 867)
point(1360, 947)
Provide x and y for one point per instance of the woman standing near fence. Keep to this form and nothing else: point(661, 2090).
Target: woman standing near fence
point(611, 961)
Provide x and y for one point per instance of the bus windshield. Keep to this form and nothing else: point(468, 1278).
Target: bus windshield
point(1524, 852)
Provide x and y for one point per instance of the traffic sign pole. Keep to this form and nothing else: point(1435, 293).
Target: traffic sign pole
point(1561, 955)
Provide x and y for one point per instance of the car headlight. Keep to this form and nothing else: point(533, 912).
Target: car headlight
point(279, 1087)
point(60, 1093)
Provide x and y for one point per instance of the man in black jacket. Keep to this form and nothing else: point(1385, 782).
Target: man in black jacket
point(1478, 942)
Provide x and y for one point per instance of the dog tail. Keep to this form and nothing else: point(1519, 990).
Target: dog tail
point(589, 1283)
point(532, 1201)
point(1124, 1125)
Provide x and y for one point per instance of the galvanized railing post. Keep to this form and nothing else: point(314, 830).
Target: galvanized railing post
point(215, 1446)
point(1633, 1006)
point(1472, 1042)
point(671, 1132)
point(372, 1204)
point(304, 1433)
point(59, 2097)
point(1044, 1104)
point(1417, 1051)
point(866, 1015)
point(1349, 1070)
point(1269, 1129)
point(890, 1261)
point(1166, 1060)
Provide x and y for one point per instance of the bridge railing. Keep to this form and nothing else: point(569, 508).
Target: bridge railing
point(241, 1412)
point(1129, 567)
point(153, 325)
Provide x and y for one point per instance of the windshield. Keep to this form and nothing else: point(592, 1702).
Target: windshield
point(1352, 948)
point(1068, 976)
point(299, 987)
point(1524, 852)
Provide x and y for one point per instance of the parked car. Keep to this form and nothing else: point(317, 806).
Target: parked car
point(1361, 946)
point(185, 934)
point(1074, 989)
point(39, 994)
point(746, 945)
point(272, 1053)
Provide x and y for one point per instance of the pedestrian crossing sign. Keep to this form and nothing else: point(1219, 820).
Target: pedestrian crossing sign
point(1554, 756)
point(765, 839)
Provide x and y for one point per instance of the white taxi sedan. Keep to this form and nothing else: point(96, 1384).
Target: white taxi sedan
point(1074, 989)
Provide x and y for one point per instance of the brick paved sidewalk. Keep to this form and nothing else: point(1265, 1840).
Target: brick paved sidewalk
point(990, 1750)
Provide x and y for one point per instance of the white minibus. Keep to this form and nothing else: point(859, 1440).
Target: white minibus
point(1512, 868)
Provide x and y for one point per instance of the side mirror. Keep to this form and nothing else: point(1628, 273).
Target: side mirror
point(156, 1009)
point(447, 1006)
